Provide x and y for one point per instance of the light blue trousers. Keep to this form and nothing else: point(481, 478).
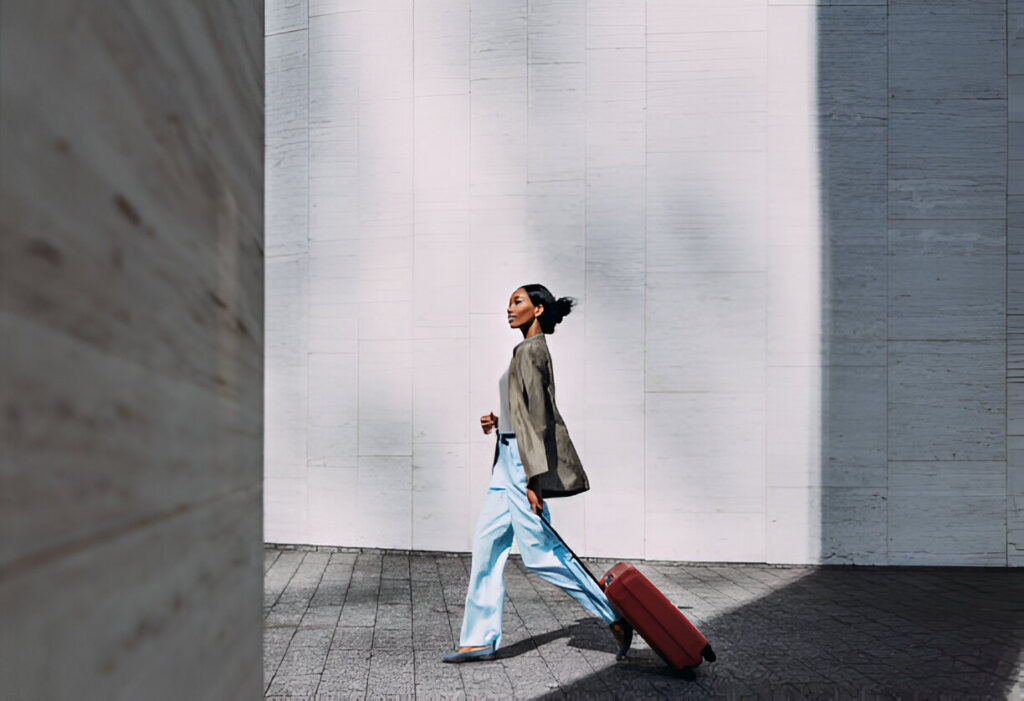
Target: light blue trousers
point(506, 511)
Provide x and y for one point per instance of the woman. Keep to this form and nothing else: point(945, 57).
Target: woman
point(534, 458)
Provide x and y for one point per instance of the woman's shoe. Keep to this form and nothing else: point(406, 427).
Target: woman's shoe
point(483, 653)
point(623, 633)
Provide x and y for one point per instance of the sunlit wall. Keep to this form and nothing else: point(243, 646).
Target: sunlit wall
point(708, 178)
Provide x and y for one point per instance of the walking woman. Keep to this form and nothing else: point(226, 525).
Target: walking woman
point(534, 460)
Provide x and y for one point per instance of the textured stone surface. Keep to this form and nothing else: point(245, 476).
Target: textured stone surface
point(1015, 297)
point(947, 400)
point(945, 281)
point(286, 16)
point(964, 500)
point(952, 48)
point(947, 159)
point(132, 354)
point(779, 632)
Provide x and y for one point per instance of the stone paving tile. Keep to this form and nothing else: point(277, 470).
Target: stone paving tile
point(395, 616)
point(394, 591)
point(391, 673)
point(285, 614)
point(333, 585)
point(321, 616)
point(434, 678)
point(355, 625)
point(391, 640)
point(303, 584)
point(360, 608)
point(485, 680)
point(279, 574)
point(269, 558)
point(345, 672)
point(318, 637)
point(395, 566)
point(273, 653)
point(293, 685)
point(301, 661)
point(352, 638)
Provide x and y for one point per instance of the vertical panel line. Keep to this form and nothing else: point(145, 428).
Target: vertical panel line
point(586, 171)
point(888, 150)
point(307, 301)
point(1006, 292)
point(643, 508)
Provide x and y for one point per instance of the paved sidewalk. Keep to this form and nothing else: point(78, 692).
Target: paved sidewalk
point(373, 624)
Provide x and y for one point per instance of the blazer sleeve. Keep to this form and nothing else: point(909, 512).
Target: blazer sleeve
point(532, 413)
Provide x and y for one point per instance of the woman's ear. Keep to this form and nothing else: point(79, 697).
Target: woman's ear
point(538, 310)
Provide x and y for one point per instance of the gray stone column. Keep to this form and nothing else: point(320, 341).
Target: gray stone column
point(946, 282)
point(131, 319)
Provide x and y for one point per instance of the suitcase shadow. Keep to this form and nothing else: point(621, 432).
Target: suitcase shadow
point(592, 634)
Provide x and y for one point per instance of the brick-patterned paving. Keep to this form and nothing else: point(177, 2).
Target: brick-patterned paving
point(374, 624)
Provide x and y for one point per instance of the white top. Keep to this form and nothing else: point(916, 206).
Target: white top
point(504, 425)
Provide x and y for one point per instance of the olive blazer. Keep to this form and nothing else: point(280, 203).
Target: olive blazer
point(546, 451)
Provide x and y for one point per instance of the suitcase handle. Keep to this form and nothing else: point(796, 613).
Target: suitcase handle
point(572, 552)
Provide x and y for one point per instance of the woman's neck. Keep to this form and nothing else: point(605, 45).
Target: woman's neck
point(534, 330)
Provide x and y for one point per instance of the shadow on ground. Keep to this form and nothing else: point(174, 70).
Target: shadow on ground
point(910, 632)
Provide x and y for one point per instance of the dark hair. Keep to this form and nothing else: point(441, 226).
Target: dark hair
point(554, 309)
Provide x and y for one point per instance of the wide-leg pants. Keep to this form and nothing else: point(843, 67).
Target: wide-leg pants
point(506, 511)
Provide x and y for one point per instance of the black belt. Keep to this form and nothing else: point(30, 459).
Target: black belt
point(503, 437)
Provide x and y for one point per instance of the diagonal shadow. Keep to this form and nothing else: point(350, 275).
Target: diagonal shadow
point(913, 632)
point(586, 634)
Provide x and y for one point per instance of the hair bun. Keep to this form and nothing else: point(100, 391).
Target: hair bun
point(562, 307)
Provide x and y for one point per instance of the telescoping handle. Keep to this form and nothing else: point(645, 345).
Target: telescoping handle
point(571, 551)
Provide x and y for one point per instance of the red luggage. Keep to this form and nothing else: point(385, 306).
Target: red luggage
point(661, 624)
point(652, 615)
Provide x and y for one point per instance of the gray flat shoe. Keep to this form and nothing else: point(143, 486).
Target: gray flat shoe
point(484, 653)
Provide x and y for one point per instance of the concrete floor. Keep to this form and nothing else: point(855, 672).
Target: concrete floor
point(374, 624)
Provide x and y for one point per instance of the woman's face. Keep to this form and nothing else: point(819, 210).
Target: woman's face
point(521, 311)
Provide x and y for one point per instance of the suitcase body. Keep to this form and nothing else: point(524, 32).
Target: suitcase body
point(653, 616)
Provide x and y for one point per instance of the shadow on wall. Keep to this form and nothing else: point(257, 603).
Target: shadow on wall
point(912, 166)
point(852, 165)
point(907, 631)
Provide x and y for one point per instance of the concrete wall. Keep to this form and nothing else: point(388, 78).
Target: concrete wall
point(132, 340)
point(785, 224)
point(1015, 286)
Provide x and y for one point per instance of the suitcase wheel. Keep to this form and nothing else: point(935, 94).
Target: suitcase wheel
point(688, 674)
point(708, 654)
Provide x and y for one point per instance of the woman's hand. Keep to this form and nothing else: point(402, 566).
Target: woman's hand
point(488, 422)
point(536, 505)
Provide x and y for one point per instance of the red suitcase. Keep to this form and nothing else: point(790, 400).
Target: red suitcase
point(661, 624)
point(652, 615)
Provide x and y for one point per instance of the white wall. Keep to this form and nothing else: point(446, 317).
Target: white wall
point(719, 183)
point(131, 334)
